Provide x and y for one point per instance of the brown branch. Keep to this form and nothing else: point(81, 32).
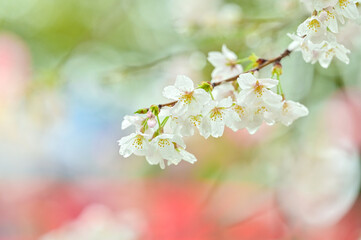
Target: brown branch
point(231, 79)
point(264, 64)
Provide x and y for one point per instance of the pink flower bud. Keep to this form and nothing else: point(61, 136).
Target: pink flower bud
point(150, 114)
point(152, 122)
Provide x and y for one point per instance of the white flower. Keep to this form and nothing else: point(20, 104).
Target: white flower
point(191, 122)
point(180, 125)
point(135, 143)
point(216, 116)
point(258, 99)
point(225, 63)
point(313, 29)
point(242, 116)
point(347, 8)
point(320, 4)
point(328, 17)
point(168, 147)
point(290, 111)
point(329, 50)
point(222, 91)
point(186, 156)
point(133, 120)
point(190, 100)
point(255, 91)
point(308, 49)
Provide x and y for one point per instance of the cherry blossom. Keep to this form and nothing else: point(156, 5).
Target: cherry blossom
point(135, 143)
point(216, 115)
point(329, 50)
point(347, 9)
point(181, 125)
point(328, 16)
point(133, 120)
point(290, 111)
point(168, 147)
point(313, 28)
point(308, 49)
point(322, 4)
point(235, 102)
point(257, 92)
point(225, 63)
point(190, 100)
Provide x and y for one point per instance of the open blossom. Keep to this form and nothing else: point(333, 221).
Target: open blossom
point(225, 63)
point(222, 91)
point(322, 4)
point(329, 50)
point(289, 112)
point(168, 147)
point(190, 100)
point(216, 115)
point(347, 9)
point(308, 49)
point(316, 35)
point(322, 52)
point(257, 91)
point(242, 117)
point(312, 28)
point(135, 143)
point(181, 125)
point(329, 17)
point(133, 120)
point(259, 100)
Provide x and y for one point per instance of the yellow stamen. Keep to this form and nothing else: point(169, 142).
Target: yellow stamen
point(258, 89)
point(313, 25)
point(138, 142)
point(163, 143)
point(186, 98)
point(216, 114)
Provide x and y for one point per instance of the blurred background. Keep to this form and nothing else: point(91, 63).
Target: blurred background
point(70, 71)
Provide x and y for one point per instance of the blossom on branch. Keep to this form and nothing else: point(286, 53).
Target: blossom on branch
point(225, 64)
point(232, 98)
point(216, 115)
point(316, 35)
point(189, 100)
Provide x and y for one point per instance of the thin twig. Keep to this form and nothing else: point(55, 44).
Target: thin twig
point(232, 79)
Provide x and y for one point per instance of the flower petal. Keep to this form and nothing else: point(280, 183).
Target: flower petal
point(217, 59)
point(228, 53)
point(246, 80)
point(171, 92)
point(268, 82)
point(184, 83)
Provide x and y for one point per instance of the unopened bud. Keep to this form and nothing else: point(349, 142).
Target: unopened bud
point(206, 86)
point(253, 58)
point(277, 69)
point(150, 114)
point(141, 111)
point(154, 109)
point(152, 122)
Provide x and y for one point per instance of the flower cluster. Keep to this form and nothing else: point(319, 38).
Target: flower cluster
point(315, 37)
point(247, 103)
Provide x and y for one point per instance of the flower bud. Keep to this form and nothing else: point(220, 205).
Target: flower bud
point(150, 114)
point(154, 109)
point(206, 86)
point(277, 69)
point(152, 122)
point(141, 111)
point(253, 58)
